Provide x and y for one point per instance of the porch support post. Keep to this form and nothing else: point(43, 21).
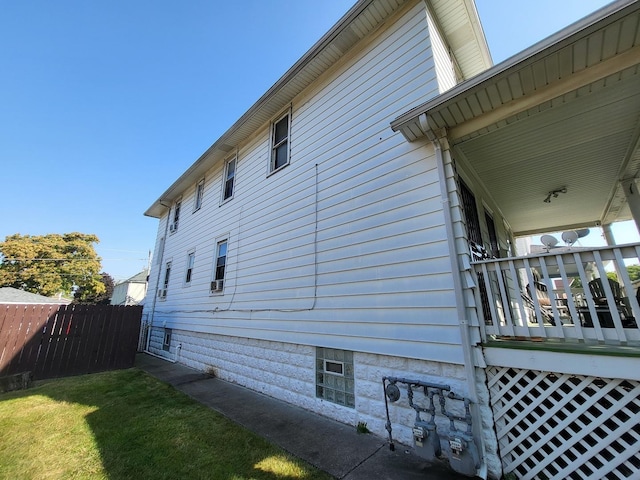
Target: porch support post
point(469, 360)
point(630, 189)
point(611, 241)
point(608, 235)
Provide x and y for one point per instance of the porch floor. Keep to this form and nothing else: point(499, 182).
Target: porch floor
point(564, 346)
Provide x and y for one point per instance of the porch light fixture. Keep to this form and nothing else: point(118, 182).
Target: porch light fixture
point(554, 194)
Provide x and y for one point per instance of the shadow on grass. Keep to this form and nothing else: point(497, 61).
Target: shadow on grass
point(142, 428)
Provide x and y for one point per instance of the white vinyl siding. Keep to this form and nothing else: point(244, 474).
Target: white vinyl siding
point(159, 250)
point(442, 58)
point(356, 256)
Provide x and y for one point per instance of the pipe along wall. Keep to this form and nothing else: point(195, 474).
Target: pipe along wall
point(463, 452)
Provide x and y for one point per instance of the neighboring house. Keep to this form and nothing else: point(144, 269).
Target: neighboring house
point(357, 227)
point(132, 291)
point(15, 295)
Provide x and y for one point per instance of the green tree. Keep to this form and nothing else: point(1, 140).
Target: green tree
point(634, 272)
point(51, 264)
point(82, 295)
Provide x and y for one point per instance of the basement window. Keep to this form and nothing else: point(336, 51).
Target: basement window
point(166, 342)
point(334, 376)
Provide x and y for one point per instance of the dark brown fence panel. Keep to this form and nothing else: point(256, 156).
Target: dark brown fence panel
point(101, 340)
point(128, 345)
point(54, 341)
point(21, 323)
point(90, 337)
point(38, 316)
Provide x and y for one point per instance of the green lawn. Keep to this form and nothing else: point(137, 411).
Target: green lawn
point(127, 425)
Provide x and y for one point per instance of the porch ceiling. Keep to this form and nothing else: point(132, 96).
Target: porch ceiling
point(563, 114)
point(585, 141)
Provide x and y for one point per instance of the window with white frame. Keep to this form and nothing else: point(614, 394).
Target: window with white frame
point(173, 226)
point(162, 290)
point(199, 195)
point(191, 259)
point(229, 178)
point(280, 142)
point(167, 274)
point(166, 341)
point(334, 376)
point(219, 267)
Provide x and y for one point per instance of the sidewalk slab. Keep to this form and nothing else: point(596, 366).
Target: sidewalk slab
point(326, 444)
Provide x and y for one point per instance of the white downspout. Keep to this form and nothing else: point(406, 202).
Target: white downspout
point(155, 296)
point(469, 363)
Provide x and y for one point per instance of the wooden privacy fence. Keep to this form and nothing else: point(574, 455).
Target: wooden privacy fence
point(60, 340)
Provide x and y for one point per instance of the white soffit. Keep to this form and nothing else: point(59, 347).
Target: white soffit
point(461, 27)
point(592, 48)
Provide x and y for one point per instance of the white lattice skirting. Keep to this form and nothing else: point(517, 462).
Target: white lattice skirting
point(559, 426)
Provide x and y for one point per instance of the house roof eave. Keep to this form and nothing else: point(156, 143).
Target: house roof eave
point(408, 123)
point(362, 19)
point(341, 36)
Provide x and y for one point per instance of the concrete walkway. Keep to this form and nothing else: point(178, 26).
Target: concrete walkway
point(331, 446)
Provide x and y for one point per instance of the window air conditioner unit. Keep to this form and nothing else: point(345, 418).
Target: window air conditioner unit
point(162, 293)
point(216, 285)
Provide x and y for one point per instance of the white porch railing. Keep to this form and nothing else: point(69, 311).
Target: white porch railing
point(564, 294)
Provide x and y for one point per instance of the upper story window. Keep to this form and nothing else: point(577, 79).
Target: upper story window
point(191, 259)
point(173, 226)
point(280, 142)
point(229, 178)
point(199, 195)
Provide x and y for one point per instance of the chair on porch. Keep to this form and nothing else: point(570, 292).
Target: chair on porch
point(544, 300)
point(596, 287)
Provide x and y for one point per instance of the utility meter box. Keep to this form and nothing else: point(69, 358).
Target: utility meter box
point(426, 440)
point(463, 456)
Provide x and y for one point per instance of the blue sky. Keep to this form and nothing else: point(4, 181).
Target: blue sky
point(103, 104)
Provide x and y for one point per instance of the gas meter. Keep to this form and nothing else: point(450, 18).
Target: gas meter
point(464, 456)
point(420, 433)
point(426, 440)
